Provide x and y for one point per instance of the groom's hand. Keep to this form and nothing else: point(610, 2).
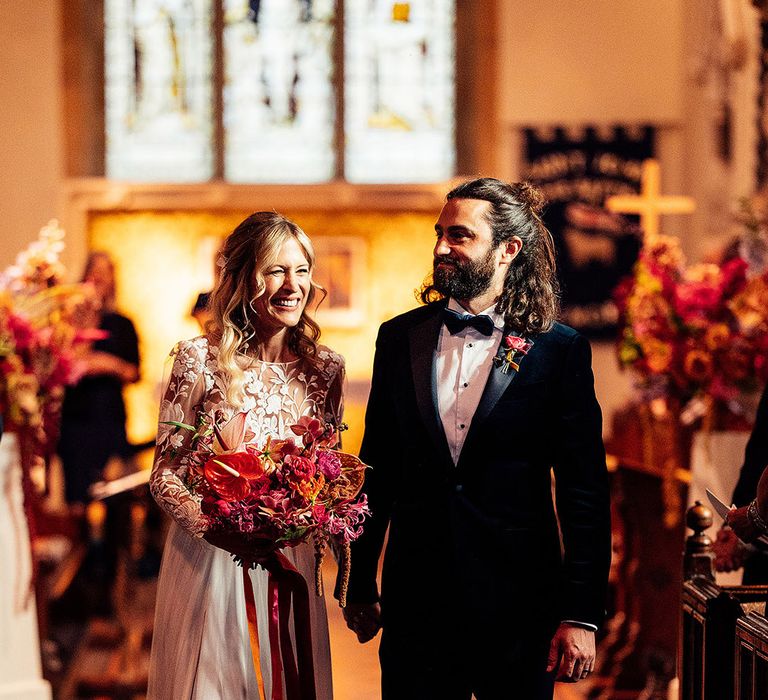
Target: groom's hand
point(572, 653)
point(363, 619)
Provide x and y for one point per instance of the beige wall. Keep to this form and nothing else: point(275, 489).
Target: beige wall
point(30, 139)
point(599, 61)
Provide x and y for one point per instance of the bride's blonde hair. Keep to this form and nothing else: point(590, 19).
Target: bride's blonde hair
point(247, 252)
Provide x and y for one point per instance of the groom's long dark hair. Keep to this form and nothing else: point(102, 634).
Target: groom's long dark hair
point(530, 300)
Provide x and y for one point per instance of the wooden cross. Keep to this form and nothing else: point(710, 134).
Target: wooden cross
point(650, 204)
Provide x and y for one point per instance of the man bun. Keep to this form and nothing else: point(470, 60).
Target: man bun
point(530, 196)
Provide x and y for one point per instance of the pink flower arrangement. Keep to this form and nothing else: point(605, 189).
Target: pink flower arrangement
point(39, 339)
point(697, 334)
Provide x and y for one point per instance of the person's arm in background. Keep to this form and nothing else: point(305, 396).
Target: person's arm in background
point(729, 551)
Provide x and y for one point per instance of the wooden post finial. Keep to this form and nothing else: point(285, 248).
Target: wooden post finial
point(698, 560)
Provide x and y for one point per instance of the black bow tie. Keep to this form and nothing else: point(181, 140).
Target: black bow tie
point(456, 322)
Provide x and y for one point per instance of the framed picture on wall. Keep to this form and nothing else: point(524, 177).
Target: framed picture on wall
point(340, 270)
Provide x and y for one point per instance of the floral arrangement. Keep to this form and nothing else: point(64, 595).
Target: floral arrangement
point(39, 342)
point(696, 334)
point(279, 493)
point(39, 339)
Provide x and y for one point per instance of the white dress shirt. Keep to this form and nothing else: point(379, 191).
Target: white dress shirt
point(464, 363)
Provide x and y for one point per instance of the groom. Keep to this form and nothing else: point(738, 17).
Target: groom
point(474, 397)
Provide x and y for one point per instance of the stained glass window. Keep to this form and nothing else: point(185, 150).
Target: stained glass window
point(158, 90)
point(399, 94)
point(278, 92)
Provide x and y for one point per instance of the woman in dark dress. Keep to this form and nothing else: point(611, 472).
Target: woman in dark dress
point(93, 415)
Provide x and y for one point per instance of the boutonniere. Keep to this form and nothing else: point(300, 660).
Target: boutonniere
point(513, 349)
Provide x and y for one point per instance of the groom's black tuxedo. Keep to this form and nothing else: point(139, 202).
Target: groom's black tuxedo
point(474, 582)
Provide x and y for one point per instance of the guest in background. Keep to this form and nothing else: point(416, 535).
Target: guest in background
point(730, 552)
point(93, 414)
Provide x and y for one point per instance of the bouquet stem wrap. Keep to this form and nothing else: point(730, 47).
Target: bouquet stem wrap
point(286, 589)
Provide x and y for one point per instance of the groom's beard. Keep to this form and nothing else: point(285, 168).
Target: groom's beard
point(463, 279)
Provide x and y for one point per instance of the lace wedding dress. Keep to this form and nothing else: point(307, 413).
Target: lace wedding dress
point(201, 646)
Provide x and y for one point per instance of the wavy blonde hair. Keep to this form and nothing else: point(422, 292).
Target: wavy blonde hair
point(247, 252)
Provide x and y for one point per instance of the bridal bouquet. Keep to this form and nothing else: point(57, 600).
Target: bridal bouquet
point(278, 494)
point(281, 492)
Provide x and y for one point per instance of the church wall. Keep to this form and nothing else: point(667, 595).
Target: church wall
point(31, 144)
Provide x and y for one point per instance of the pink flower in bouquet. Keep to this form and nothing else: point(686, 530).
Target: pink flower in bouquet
point(700, 294)
point(22, 331)
point(347, 520)
point(230, 475)
point(280, 449)
point(299, 467)
point(321, 515)
point(329, 464)
point(224, 508)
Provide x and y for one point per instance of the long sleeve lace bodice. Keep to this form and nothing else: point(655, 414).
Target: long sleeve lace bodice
point(277, 395)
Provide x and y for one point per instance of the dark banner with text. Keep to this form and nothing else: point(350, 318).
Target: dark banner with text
point(577, 170)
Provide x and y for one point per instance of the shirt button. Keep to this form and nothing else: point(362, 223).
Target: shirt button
point(465, 385)
point(462, 426)
point(469, 345)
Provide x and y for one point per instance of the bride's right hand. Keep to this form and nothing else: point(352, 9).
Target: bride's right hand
point(248, 549)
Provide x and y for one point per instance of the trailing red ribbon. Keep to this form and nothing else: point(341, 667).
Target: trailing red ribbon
point(286, 588)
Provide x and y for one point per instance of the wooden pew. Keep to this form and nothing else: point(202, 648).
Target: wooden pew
point(751, 682)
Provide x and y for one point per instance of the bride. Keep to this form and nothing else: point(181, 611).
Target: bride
point(260, 356)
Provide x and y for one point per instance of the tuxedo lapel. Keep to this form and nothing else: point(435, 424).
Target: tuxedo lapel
point(496, 385)
point(423, 340)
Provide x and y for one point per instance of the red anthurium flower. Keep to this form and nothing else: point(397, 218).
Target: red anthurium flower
point(230, 475)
